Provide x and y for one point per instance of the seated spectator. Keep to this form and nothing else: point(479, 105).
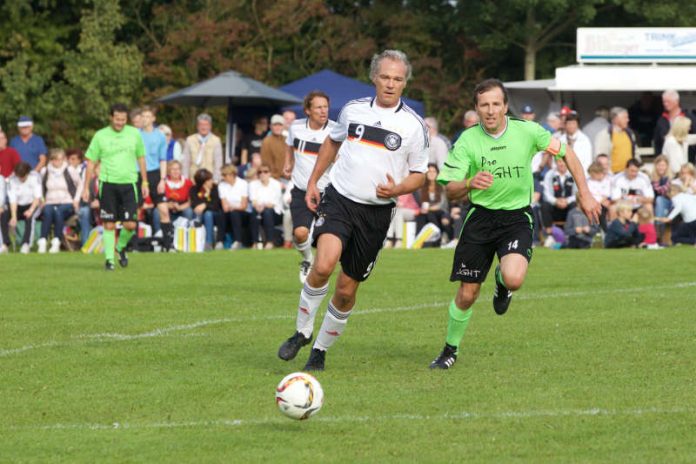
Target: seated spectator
point(406, 210)
point(205, 202)
point(661, 178)
point(433, 202)
point(646, 227)
point(253, 165)
point(684, 205)
point(176, 202)
point(578, 231)
point(76, 160)
point(234, 196)
point(633, 186)
point(24, 195)
point(687, 178)
point(88, 213)
point(9, 157)
point(603, 160)
point(622, 231)
point(266, 197)
point(558, 197)
point(599, 185)
point(62, 188)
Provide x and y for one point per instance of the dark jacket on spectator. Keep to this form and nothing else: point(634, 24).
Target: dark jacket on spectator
point(621, 235)
point(662, 128)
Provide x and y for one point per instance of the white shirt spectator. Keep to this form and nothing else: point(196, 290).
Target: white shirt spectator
point(594, 127)
point(234, 194)
point(684, 204)
point(677, 152)
point(625, 188)
point(24, 193)
point(438, 151)
point(267, 194)
point(548, 185)
point(582, 146)
point(600, 189)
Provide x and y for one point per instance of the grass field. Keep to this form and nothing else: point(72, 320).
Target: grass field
point(174, 360)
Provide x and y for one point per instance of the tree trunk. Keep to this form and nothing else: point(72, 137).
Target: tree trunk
point(529, 62)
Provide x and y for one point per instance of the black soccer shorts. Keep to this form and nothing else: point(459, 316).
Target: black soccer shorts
point(361, 228)
point(118, 202)
point(489, 232)
point(300, 214)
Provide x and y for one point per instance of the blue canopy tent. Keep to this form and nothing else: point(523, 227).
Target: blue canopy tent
point(341, 89)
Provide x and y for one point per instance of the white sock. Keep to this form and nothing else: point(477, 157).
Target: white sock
point(310, 300)
point(305, 249)
point(333, 326)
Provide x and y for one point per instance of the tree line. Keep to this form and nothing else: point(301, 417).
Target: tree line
point(65, 61)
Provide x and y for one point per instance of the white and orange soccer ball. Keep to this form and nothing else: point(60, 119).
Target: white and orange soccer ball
point(299, 396)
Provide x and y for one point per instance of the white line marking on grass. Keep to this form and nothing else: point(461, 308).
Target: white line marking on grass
point(159, 332)
point(460, 416)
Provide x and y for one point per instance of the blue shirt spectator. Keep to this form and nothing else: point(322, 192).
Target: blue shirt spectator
point(155, 148)
point(31, 147)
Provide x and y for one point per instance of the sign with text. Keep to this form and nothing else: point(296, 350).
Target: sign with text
point(636, 45)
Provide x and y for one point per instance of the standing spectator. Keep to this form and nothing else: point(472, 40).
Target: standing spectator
point(136, 118)
point(599, 124)
point(633, 187)
point(687, 178)
point(670, 102)
point(173, 145)
point(266, 197)
point(553, 123)
point(661, 178)
point(643, 115)
point(9, 157)
point(599, 185)
point(24, 196)
point(252, 142)
point(205, 202)
point(234, 196)
point(470, 119)
point(439, 148)
point(202, 150)
point(88, 213)
point(528, 113)
point(576, 139)
point(619, 141)
point(683, 204)
point(406, 210)
point(62, 187)
point(273, 147)
point(559, 191)
point(623, 232)
point(31, 147)
point(289, 117)
point(4, 229)
point(175, 203)
point(677, 141)
point(119, 150)
point(155, 157)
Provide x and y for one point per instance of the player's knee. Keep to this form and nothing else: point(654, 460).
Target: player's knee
point(301, 235)
point(513, 282)
point(322, 269)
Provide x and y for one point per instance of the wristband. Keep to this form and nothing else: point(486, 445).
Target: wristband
point(146, 183)
point(468, 183)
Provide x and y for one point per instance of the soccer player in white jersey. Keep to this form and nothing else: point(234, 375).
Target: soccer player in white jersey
point(382, 148)
point(305, 137)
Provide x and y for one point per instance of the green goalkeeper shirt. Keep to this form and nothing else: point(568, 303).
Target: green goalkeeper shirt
point(508, 157)
point(118, 153)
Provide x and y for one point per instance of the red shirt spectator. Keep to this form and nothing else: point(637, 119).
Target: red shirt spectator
point(179, 190)
point(9, 157)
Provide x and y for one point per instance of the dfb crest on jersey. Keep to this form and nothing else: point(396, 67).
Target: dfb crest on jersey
point(392, 141)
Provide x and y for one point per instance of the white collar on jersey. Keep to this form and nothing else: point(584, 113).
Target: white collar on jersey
point(322, 127)
point(374, 104)
point(496, 137)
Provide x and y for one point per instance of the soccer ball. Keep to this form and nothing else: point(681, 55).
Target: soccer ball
point(299, 396)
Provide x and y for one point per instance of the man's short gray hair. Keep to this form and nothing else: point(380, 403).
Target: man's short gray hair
point(671, 93)
point(615, 111)
point(395, 55)
point(204, 117)
point(431, 122)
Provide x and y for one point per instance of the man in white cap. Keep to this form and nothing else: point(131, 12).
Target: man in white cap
point(273, 148)
point(31, 147)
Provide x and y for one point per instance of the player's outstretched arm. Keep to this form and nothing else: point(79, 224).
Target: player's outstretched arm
point(586, 201)
point(327, 155)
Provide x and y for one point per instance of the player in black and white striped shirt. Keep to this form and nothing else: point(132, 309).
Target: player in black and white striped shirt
point(382, 148)
point(305, 137)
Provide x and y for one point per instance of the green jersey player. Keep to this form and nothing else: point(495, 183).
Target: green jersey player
point(491, 163)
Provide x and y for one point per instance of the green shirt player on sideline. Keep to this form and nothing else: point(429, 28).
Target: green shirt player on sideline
point(118, 148)
point(491, 163)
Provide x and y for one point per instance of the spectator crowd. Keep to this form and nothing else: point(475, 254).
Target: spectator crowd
point(243, 202)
